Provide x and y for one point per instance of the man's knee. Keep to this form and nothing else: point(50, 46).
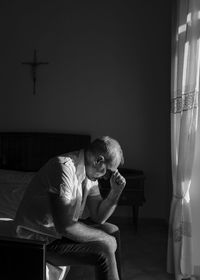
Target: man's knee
point(108, 245)
point(109, 228)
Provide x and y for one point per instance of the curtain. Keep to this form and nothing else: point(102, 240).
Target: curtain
point(185, 63)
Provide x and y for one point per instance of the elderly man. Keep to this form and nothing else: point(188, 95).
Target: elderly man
point(61, 197)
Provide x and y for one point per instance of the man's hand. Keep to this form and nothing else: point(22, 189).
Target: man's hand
point(117, 181)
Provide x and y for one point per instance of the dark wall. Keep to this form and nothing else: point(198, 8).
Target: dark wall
point(108, 73)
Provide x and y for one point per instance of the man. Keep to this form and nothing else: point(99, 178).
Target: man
point(59, 198)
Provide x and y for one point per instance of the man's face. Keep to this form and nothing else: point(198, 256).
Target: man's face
point(96, 171)
point(97, 168)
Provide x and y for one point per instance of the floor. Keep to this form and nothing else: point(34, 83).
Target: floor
point(143, 253)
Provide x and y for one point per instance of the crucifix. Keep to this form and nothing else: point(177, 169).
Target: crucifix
point(34, 65)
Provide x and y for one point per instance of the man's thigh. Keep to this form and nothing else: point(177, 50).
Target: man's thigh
point(66, 251)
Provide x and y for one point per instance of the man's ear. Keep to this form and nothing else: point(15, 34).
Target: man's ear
point(100, 159)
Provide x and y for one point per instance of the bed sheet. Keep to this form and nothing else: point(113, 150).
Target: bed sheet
point(12, 187)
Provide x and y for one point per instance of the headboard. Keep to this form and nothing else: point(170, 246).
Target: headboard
point(28, 151)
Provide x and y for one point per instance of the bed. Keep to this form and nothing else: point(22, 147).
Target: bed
point(21, 155)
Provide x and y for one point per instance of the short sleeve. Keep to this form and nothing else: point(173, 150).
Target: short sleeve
point(61, 179)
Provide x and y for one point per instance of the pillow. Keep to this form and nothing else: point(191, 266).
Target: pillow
point(12, 186)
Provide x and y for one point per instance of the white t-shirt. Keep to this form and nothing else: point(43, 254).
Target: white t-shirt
point(65, 176)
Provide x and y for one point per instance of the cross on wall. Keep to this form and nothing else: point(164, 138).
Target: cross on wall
point(34, 66)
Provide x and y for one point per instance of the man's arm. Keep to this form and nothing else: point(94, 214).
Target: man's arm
point(67, 227)
point(101, 210)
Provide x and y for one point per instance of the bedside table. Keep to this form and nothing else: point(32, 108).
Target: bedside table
point(133, 193)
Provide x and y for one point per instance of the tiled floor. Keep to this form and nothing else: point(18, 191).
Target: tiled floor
point(143, 254)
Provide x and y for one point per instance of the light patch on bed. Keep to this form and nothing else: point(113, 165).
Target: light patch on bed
point(6, 219)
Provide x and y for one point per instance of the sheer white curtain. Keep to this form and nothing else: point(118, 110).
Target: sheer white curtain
point(184, 111)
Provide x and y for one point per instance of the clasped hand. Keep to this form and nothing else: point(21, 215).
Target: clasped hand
point(117, 181)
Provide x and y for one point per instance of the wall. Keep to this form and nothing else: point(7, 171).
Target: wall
point(108, 73)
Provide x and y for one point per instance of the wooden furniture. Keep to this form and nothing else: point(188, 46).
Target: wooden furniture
point(133, 194)
point(28, 151)
point(22, 259)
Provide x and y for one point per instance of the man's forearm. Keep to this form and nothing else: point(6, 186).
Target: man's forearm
point(108, 206)
point(81, 232)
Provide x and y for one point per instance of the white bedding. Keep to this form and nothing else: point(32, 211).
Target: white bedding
point(12, 186)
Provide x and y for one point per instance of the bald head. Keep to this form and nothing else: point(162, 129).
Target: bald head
point(109, 148)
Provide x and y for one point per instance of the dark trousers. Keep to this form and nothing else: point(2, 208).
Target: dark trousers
point(103, 255)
